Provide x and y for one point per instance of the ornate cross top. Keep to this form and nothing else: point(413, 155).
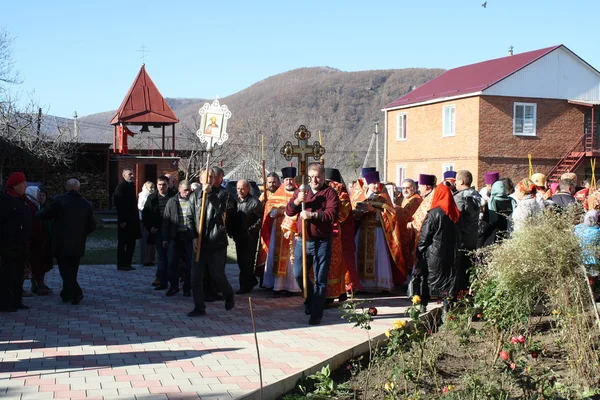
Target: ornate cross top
point(303, 150)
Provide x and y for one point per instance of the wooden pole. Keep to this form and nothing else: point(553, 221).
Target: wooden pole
point(304, 268)
point(257, 349)
point(202, 209)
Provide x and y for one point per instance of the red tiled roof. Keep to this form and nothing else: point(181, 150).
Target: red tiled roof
point(144, 104)
point(470, 78)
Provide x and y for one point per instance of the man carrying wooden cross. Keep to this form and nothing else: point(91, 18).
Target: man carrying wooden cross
point(320, 213)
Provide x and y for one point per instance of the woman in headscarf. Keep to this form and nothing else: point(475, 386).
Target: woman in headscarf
point(588, 234)
point(39, 245)
point(528, 206)
point(495, 217)
point(147, 247)
point(437, 247)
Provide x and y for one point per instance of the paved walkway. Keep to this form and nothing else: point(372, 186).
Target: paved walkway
point(128, 341)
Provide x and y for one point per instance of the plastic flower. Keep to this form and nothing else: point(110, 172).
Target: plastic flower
point(517, 339)
point(504, 355)
point(388, 333)
point(399, 324)
point(416, 299)
point(349, 287)
point(513, 365)
point(372, 311)
point(448, 388)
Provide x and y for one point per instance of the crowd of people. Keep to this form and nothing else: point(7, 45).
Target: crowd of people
point(368, 236)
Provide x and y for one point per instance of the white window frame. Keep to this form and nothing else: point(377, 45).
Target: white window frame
point(401, 126)
point(400, 177)
point(452, 122)
point(533, 123)
point(447, 167)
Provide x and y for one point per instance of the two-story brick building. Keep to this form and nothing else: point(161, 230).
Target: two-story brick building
point(489, 116)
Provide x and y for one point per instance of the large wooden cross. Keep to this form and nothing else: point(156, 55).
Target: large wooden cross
point(303, 150)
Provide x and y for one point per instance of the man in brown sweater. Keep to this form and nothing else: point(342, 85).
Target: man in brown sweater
point(321, 211)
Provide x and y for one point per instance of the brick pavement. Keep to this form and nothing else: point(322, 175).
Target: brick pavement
point(127, 341)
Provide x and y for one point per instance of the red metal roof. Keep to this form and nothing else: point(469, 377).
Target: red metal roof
point(470, 78)
point(144, 104)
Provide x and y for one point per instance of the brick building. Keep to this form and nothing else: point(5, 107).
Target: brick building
point(489, 116)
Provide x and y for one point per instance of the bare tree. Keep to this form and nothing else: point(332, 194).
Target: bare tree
point(20, 126)
point(8, 73)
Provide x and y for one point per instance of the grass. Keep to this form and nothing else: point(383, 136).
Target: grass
point(101, 247)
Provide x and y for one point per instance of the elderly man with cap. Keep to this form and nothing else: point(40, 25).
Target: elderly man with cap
point(274, 261)
point(342, 270)
point(15, 235)
point(380, 262)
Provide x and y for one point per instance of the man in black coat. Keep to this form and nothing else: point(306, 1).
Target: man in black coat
point(219, 215)
point(247, 230)
point(152, 217)
point(72, 221)
point(125, 200)
point(15, 236)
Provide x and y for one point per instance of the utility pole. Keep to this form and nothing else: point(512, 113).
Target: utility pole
point(39, 121)
point(377, 145)
point(75, 132)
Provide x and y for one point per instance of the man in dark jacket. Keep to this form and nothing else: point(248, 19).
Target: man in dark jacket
point(72, 221)
point(125, 200)
point(565, 197)
point(177, 237)
point(15, 236)
point(247, 230)
point(468, 201)
point(219, 214)
point(152, 217)
point(320, 213)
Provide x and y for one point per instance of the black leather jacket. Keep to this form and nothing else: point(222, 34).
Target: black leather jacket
point(437, 250)
point(248, 217)
point(219, 218)
point(15, 226)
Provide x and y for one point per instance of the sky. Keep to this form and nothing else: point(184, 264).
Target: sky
point(83, 55)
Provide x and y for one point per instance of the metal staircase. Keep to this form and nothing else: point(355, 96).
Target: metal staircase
point(572, 158)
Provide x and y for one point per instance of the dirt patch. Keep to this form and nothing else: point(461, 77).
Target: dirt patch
point(448, 365)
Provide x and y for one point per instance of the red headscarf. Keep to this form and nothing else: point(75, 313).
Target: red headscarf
point(442, 198)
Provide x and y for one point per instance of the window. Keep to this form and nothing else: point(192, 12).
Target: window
point(400, 174)
point(449, 121)
point(447, 167)
point(524, 118)
point(401, 127)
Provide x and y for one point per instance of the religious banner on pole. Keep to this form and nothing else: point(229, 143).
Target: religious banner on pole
point(213, 124)
point(213, 130)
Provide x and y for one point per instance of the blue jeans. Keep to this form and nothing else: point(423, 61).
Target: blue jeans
point(161, 262)
point(318, 254)
point(180, 249)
